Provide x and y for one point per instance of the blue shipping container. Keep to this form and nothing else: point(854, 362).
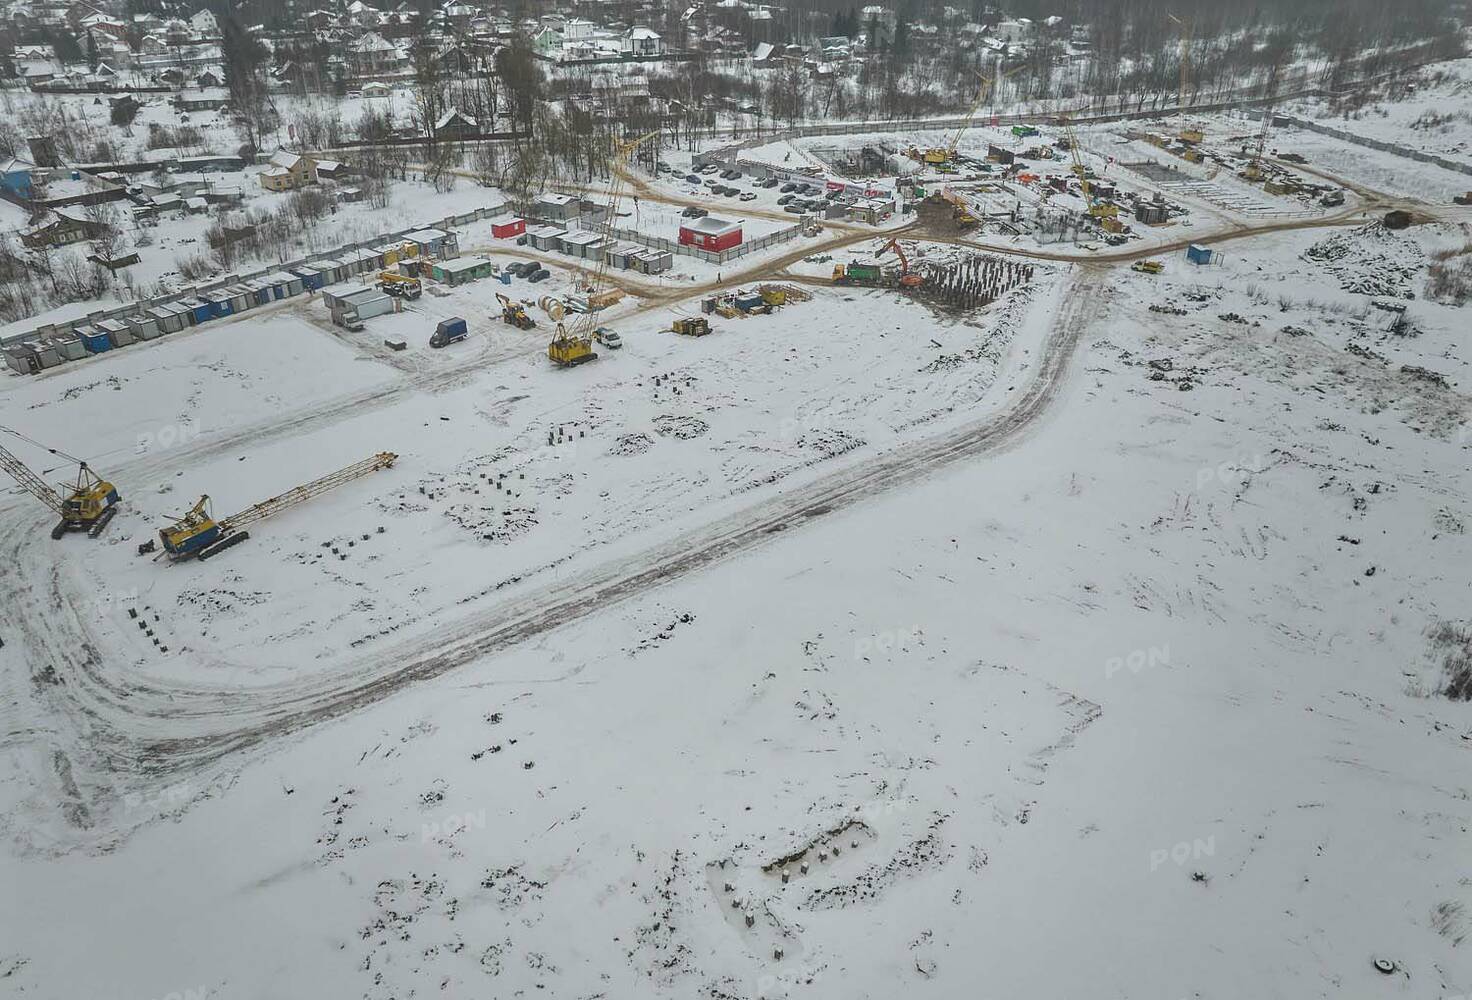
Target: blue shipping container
point(1198, 254)
point(96, 343)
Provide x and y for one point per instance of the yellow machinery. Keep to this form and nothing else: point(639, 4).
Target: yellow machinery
point(89, 504)
point(1097, 209)
point(1255, 170)
point(1190, 135)
point(774, 295)
point(514, 313)
point(575, 346)
point(961, 208)
point(400, 285)
point(1148, 266)
point(198, 533)
point(694, 326)
point(941, 156)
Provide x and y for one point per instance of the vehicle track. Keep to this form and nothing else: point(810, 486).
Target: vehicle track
point(158, 730)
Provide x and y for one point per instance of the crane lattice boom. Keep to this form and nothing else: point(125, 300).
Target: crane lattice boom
point(29, 481)
point(296, 495)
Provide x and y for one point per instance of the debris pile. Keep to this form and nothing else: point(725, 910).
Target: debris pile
point(1370, 260)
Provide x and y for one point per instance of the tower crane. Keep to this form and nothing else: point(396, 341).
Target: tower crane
point(199, 533)
point(575, 346)
point(90, 502)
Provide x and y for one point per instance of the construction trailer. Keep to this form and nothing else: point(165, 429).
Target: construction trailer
point(546, 237)
point(711, 234)
point(347, 308)
point(1198, 254)
point(507, 227)
point(460, 270)
point(199, 534)
point(435, 243)
point(69, 346)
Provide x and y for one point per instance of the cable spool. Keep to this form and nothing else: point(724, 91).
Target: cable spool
point(552, 307)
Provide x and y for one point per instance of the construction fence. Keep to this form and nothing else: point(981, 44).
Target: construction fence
point(750, 245)
point(1387, 147)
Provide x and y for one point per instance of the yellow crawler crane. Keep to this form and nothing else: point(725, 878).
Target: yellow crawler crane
point(575, 346)
point(199, 534)
point(89, 504)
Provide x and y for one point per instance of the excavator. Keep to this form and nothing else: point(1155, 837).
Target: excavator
point(199, 534)
point(908, 278)
point(89, 504)
point(515, 313)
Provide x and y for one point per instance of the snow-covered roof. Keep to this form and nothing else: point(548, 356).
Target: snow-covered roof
point(454, 115)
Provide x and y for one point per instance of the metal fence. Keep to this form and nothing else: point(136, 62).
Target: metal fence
point(685, 250)
point(1388, 147)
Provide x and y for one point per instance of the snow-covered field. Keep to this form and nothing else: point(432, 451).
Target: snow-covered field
point(1095, 643)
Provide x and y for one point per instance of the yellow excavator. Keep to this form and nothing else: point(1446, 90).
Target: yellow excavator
point(514, 313)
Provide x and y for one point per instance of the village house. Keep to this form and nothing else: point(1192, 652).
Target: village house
point(288, 171)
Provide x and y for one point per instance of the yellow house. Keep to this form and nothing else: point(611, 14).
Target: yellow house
point(288, 171)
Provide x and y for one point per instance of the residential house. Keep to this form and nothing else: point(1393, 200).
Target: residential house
point(204, 25)
point(62, 227)
point(374, 55)
point(641, 43)
point(455, 124)
point(287, 171)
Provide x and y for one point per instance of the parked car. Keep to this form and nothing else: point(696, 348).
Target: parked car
point(729, 192)
point(692, 178)
point(712, 183)
point(794, 209)
point(729, 175)
point(770, 182)
point(521, 240)
point(541, 275)
point(695, 213)
point(788, 187)
point(748, 196)
point(608, 338)
point(709, 168)
point(785, 199)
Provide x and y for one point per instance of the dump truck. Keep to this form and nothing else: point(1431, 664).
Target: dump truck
point(694, 326)
point(448, 332)
point(1148, 266)
point(857, 274)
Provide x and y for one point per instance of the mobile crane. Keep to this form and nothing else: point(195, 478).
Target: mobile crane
point(199, 533)
point(90, 504)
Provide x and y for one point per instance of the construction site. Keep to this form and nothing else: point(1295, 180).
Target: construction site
point(639, 589)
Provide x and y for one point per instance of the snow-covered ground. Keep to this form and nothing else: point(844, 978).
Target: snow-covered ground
point(1091, 644)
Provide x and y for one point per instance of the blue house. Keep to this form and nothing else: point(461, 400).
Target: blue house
point(15, 177)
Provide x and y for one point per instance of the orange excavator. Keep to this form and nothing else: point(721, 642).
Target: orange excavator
point(908, 278)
